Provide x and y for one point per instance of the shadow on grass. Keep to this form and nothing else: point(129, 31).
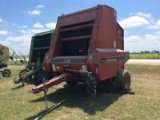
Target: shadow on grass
point(18, 87)
point(79, 97)
point(21, 85)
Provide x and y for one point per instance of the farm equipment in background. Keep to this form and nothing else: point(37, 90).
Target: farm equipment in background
point(4, 57)
point(87, 47)
point(40, 44)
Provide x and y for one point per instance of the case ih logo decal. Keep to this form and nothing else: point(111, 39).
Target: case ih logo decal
point(113, 59)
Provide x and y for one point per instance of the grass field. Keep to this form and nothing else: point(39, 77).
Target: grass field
point(18, 104)
point(144, 55)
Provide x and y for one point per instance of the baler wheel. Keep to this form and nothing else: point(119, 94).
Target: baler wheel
point(123, 80)
point(90, 83)
point(40, 75)
point(6, 73)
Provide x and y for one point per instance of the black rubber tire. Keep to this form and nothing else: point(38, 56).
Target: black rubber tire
point(118, 80)
point(123, 80)
point(6, 73)
point(22, 73)
point(40, 75)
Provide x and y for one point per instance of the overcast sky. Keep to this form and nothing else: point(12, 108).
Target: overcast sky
point(21, 19)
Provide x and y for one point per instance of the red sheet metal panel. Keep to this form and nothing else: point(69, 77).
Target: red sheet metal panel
point(123, 56)
point(78, 17)
point(106, 31)
point(107, 70)
point(120, 38)
point(107, 63)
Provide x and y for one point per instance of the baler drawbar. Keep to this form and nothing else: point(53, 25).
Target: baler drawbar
point(69, 74)
point(56, 80)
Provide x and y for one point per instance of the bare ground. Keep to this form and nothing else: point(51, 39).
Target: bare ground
point(143, 62)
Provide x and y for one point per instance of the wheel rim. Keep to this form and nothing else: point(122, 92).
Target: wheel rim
point(127, 81)
point(6, 73)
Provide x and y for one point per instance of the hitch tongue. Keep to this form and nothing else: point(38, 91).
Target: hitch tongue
point(45, 93)
point(54, 81)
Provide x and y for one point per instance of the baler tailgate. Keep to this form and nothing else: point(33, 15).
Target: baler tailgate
point(54, 81)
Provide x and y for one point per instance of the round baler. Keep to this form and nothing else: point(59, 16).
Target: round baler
point(87, 47)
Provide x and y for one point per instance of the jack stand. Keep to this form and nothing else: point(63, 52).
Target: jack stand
point(47, 109)
point(45, 94)
point(22, 80)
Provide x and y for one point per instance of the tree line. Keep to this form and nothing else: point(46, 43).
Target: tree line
point(154, 51)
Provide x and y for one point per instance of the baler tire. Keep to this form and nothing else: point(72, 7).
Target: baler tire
point(123, 80)
point(40, 75)
point(6, 73)
point(118, 80)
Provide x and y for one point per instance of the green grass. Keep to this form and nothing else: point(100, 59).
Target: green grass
point(144, 55)
point(18, 104)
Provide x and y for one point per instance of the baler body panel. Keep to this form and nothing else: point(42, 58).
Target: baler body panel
point(72, 62)
point(93, 34)
point(40, 44)
point(120, 41)
point(109, 62)
point(123, 56)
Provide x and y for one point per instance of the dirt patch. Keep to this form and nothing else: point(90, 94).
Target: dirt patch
point(144, 61)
